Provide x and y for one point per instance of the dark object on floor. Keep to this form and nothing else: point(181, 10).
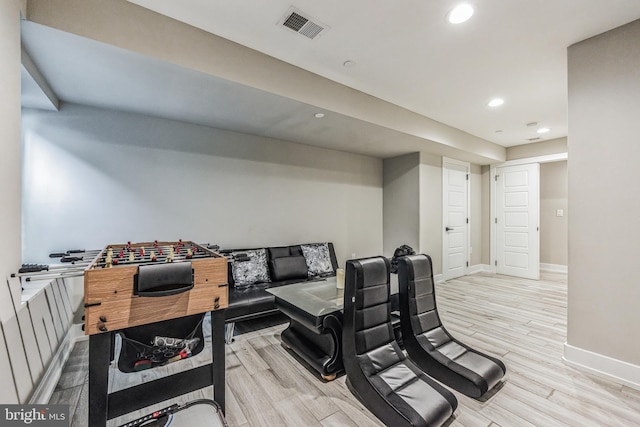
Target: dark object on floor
point(403, 250)
point(378, 373)
point(202, 412)
point(429, 344)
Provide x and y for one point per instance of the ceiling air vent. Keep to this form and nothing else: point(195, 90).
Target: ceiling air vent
point(534, 139)
point(302, 23)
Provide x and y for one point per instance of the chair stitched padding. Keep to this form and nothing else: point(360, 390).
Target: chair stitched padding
point(429, 344)
point(378, 373)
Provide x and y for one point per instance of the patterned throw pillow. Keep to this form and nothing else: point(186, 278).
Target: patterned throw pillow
point(318, 259)
point(250, 267)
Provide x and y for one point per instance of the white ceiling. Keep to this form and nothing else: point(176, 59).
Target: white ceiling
point(83, 71)
point(406, 53)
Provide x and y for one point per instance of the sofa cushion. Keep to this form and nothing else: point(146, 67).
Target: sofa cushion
point(250, 267)
point(287, 268)
point(251, 301)
point(295, 250)
point(279, 252)
point(317, 258)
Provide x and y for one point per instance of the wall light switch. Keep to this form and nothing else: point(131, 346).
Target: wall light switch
point(559, 212)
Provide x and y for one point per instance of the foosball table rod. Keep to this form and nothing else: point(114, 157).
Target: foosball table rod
point(76, 253)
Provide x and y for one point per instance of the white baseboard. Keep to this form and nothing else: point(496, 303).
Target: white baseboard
point(481, 268)
point(50, 379)
point(478, 268)
point(554, 268)
point(603, 366)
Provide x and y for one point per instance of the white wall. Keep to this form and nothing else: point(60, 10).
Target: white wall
point(10, 226)
point(604, 230)
point(9, 179)
point(536, 149)
point(93, 177)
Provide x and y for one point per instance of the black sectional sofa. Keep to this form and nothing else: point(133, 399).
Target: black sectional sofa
point(286, 265)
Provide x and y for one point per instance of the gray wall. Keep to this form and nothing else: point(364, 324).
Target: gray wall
point(401, 211)
point(486, 215)
point(431, 209)
point(93, 177)
point(553, 229)
point(413, 206)
point(10, 226)
point(604, 231)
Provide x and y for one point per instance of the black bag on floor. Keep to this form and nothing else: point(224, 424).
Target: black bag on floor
point(202, 412)
point(398, 253)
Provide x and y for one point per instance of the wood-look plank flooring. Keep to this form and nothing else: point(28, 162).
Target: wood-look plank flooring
point(522, 322)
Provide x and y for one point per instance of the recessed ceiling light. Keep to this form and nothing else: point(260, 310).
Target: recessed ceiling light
point(318, 115)
point(349, 63)
point(460, 13)
point(543, 130)
point(496, 102)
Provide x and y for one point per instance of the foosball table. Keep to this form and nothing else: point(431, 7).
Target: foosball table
point(135, 284)
point(183, 278)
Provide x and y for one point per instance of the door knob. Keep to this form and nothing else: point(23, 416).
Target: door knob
point(448, 229)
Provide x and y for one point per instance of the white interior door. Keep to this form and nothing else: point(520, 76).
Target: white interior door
point(455, 218)
point(517, 220)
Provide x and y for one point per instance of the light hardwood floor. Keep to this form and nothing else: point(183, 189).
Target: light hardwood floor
point(523, 322)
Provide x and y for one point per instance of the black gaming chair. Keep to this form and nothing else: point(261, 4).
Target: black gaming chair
point(378, 373)
point(429, 344)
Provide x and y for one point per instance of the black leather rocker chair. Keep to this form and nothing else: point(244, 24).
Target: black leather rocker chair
point(378, 373)
point(429, 344)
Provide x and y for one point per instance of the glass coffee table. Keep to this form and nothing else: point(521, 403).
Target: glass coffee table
point(315, 322)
